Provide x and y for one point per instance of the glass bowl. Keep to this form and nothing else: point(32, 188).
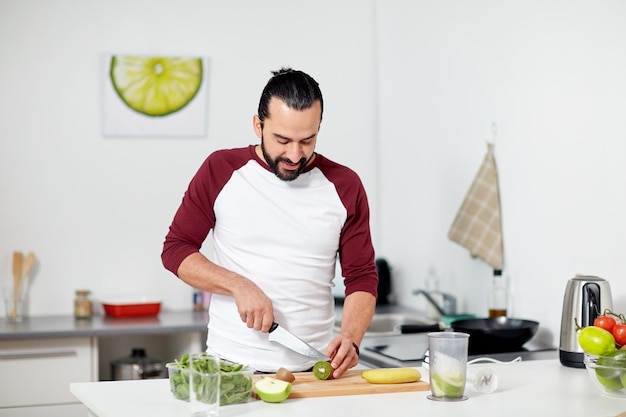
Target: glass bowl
point(608, 372)
point(235, 386)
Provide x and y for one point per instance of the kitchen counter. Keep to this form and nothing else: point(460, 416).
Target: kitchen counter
point(65, 350)
point(542, 388)
point(408, 350)
point(46, 327)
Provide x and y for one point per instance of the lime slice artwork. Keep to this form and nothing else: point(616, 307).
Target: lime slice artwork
point(156, 86)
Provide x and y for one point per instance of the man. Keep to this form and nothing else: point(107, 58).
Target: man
point(281, 215)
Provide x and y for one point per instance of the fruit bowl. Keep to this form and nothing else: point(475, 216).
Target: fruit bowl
point(608, 372)
point(235, 386)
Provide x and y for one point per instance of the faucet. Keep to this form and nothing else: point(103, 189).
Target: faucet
point(448, 306)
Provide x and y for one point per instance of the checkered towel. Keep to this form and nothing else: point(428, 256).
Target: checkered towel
point(477, 225)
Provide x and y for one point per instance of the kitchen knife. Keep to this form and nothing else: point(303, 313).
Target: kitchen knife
point(280, 335)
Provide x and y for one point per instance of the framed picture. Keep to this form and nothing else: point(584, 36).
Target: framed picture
point(155, 95)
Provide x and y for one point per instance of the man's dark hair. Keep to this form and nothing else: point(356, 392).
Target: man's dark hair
point(297, 89)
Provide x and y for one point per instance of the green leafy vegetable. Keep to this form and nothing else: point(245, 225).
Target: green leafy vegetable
point(235, 380)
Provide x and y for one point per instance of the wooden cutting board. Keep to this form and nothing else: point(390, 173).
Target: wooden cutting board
point(350, 383)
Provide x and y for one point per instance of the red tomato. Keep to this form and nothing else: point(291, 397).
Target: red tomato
point(606, 322)
point(619, 333)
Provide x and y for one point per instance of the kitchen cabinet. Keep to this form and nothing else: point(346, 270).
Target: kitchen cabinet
point(43, 355)
point(61, 410)
point(37, 373)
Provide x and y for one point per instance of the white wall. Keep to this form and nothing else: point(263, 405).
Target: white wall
point(96, 210)
point(550, 74)
point(411, 89)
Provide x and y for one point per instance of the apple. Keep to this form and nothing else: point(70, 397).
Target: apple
point(272, 390)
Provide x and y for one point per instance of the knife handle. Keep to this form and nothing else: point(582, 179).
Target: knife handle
point(273, 327)
point(419, 328)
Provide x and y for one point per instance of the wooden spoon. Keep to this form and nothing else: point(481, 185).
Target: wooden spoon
point(27, 266)
point(18, 260)
point(29, 261)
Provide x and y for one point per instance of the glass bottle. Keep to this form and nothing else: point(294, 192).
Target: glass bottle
point(83, 307)
point(497, 295)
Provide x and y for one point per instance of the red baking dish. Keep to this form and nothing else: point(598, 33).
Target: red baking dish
point(132, 307)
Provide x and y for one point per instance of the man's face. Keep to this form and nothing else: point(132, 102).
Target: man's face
point(288, 138)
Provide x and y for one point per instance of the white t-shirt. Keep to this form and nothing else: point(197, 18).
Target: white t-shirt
point(285, 236)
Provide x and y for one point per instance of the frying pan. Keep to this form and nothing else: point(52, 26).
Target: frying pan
point(497, 334)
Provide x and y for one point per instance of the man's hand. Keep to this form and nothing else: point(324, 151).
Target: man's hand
point(254, 307)
point(358, 310)
point(343, 354)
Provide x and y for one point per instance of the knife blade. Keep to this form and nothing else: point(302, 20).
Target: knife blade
point(284, 337)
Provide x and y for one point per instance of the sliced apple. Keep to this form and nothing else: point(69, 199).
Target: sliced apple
point(272, 390)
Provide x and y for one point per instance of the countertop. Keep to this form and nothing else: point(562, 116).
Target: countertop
point(417, 344)
point(541, 388)
point(99, 326)
point(44, 327)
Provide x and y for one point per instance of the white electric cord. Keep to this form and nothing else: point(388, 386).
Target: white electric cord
point(477, 360)
point(484, 380)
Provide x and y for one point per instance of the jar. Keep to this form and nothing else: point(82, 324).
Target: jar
point(83, 307)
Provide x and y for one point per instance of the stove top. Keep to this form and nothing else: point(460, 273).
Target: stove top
point(402, 351)
point(396, 351)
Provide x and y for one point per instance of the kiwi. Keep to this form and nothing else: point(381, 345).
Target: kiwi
point(285, 375)
point(322, 370)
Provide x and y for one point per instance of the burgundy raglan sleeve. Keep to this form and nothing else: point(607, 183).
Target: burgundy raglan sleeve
point(195, 216)
point(356, 252)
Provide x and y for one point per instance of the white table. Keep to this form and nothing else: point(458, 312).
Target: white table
point(529, 389)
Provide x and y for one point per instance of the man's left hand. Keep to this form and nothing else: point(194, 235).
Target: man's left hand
point(343, 354)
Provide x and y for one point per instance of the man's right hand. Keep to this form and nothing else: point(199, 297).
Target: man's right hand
point(254, 307)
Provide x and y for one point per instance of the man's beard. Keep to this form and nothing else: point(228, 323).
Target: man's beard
point(274, 165)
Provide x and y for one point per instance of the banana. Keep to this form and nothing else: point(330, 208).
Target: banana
point(391, 375)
